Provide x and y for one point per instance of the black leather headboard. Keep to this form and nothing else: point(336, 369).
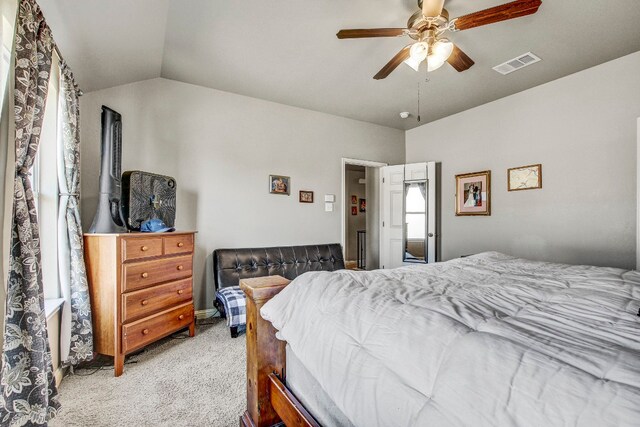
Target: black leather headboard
point(231, 265)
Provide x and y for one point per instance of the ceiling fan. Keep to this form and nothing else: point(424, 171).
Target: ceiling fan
point(427, 27)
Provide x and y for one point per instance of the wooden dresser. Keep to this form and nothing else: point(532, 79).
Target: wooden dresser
point(141, 289)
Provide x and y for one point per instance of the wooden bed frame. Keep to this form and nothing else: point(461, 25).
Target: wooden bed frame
point(269, 401)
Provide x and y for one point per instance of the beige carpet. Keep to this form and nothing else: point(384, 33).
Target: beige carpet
point(196, 381)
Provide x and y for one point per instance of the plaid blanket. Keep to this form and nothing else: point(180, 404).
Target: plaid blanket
point(235, 306)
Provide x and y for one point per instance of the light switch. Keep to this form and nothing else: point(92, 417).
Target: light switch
point(328, 207)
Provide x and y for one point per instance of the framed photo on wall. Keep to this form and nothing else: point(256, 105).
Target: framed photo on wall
point(354, 210)
point(524, 178)
point(354, 200)
point(363, 205)
point(279, 184)
point(473, 193)
point(306, 196)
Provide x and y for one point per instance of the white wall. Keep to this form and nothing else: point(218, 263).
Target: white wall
point(582, 128)
point(221, 147)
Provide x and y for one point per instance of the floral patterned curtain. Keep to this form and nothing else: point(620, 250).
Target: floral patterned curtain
point(76, 336)
point(28, 394)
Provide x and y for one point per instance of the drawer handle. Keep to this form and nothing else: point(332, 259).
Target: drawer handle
point(180, 244)
point(144, 302)
point(145, 332)
point(144, 275)
point(180, 268)
point(180, 291)
point(144, 248)
point(181, 317)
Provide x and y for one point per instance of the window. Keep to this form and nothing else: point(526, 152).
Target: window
point(7, 24)
point(45, 184)
point(7, 41)
point(44, 176)
point(5, 63)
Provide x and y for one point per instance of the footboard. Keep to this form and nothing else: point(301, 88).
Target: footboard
point(269, 402)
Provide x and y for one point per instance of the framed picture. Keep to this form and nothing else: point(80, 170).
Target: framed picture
point(279, 184)
point(473, 193)
point(306, 196)
point(354, 200)
point(354, 210)
point(524, 178)
point(363, 205)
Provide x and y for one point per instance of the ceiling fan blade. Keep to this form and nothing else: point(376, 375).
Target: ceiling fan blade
point(432, 8)
point(393, 64)
point(512, 10)
point(372, 32)
point(460, 60)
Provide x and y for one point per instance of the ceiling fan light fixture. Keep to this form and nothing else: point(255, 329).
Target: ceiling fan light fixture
point(419, 51)
point(440, 52)
point(433, 64)
point(413, 63)
point(442, 49)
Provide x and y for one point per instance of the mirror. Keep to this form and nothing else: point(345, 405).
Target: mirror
point(415, 212)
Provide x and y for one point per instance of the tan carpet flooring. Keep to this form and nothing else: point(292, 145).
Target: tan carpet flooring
point(196, 381)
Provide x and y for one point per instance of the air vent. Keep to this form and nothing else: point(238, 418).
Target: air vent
point(516, 63)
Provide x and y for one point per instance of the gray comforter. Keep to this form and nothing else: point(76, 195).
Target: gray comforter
point(488, 340)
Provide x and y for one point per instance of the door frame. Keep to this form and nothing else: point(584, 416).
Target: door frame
point(638, 198)
point(343, 208)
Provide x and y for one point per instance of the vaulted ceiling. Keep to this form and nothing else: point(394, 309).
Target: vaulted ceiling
point(286, 51)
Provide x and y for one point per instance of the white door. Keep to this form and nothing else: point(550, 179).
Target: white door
point(392, 214)
point(415, 172)
point(391, 221)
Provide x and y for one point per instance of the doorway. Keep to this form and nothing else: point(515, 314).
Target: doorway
point(361, 213)
point(409, 203)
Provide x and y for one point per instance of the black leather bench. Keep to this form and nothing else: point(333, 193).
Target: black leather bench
point(232, 265)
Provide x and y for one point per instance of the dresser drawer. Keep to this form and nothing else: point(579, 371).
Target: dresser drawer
point(143, 274)
point(142, 332)
point(144, 302)
point(180, 244)
point(137, 248)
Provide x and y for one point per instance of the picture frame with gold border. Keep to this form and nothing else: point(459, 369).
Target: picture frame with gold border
point(473, 194)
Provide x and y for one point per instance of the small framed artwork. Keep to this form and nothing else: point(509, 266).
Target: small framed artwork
point(363, 205)
point(306, 196)
point(354, 210)
point(354, 200)
point(279, 184)
point(524, 178)
point(473, 193)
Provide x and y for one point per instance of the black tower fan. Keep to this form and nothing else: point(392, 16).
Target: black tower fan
point(108, 217)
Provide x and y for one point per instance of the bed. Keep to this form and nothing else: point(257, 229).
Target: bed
point(483, 340)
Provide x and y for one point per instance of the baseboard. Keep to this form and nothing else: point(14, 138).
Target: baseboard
point(205, 314)
point(58, 374)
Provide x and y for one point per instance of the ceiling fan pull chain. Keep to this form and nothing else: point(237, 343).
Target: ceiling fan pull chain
point(426, 70)
point(418, 100)
point(426, 80)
